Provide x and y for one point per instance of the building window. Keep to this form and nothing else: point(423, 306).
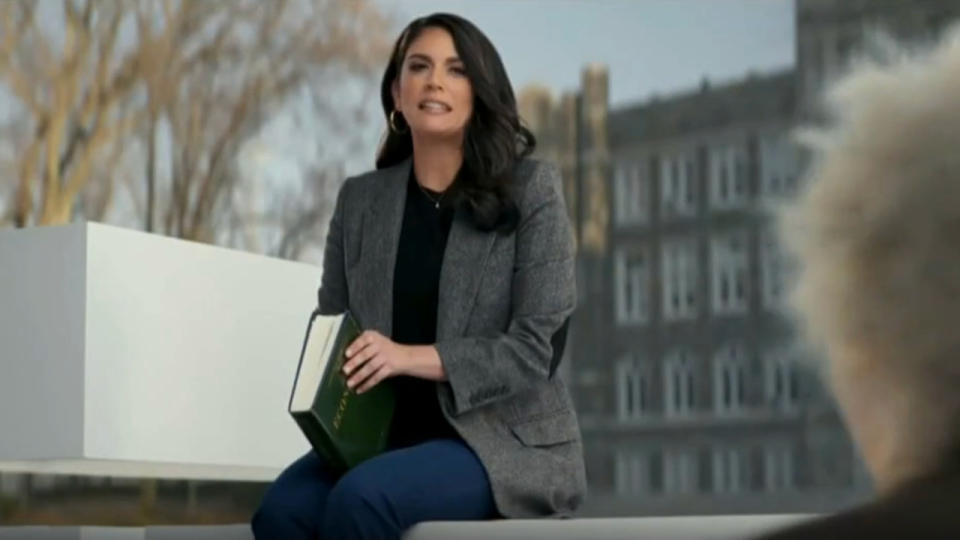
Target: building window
point(935, 23)
point(814, 73)
point(729, 379)
point(678, 185)
point(631, 194)
point(778, 470)
point(772, 270)
point(729, 266)
point(831, 65)
point(848, 45)
point(680, 279)
point(728, 177)
point(631, 276)
point(730, 468)
point(779, 166)
point(632, 473)
point(680, 471)
point(621, 186)
point(632, 390)
point(678, 381)
point(782, 381)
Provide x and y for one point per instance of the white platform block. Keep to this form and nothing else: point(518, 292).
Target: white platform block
point(130, 354)
point(654, 528)
point(74, 533)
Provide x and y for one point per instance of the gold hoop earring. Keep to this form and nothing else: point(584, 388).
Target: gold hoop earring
point(393, 123)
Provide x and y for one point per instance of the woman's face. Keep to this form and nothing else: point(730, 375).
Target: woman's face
point(432, 90)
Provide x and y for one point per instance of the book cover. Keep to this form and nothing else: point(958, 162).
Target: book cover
point(345, 428)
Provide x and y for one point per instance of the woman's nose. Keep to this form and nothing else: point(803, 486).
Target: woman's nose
point(434, 81)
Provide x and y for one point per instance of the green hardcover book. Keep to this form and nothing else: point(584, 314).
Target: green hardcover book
point(345, 428)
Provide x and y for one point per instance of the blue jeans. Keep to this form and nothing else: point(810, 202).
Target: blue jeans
point(380, 498)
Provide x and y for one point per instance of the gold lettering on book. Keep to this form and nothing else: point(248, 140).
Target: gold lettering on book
point(345, 395)
point(341, 408)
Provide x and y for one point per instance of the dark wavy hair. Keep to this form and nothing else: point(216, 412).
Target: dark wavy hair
point(494, 140)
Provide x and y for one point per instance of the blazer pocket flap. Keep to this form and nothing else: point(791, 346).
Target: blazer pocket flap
point(548, 430)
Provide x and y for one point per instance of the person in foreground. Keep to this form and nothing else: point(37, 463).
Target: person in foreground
point(877, 236)
point(457, 257)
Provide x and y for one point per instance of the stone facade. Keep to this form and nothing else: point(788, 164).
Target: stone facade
point(694, 395)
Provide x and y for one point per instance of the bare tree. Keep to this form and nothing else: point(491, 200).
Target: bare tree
point(71, 99)
point(191, 79)
point(301, 217)
point(213, 96)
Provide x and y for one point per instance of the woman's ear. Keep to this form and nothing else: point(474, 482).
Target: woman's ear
point(395, 91)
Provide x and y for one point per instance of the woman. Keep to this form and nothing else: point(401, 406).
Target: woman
point(456, 255)
point(877, 234)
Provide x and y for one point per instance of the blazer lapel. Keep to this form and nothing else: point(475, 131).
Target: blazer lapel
point(463, 264)
point(382, 221)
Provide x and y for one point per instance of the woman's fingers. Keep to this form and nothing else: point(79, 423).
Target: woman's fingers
point(368, 368)
point(361, 350)
point(382, 372)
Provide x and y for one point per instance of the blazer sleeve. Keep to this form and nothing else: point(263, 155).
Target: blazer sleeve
point(332, 296)
point(485, 369)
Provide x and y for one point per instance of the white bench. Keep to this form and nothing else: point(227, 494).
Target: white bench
point(666, 528)
point(131, 354)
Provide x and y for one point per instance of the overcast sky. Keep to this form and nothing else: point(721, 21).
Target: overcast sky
point(649, 45)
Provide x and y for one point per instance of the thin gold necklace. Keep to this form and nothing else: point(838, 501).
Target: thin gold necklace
point(436, 202)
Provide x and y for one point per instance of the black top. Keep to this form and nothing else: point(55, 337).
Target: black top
point(924, 509)
point(416, 284)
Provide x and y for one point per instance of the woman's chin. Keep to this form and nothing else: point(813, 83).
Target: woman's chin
point(437, 130)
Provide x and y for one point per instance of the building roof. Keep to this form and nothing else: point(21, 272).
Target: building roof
point(755, 98)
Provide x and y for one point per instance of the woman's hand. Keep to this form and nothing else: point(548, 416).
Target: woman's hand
point(373, 357)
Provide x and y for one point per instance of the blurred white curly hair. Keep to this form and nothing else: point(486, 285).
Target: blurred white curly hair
point(876, 230)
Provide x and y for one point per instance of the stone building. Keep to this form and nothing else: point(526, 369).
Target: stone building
point(693, 394)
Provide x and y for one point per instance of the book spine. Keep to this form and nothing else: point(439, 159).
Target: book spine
point(337, 392)
point(333, 376)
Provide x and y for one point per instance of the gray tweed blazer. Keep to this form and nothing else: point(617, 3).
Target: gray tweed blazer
point(502, 298)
